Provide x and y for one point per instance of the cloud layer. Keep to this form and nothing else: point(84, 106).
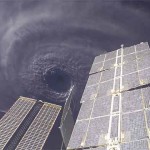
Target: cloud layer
point(37, 37)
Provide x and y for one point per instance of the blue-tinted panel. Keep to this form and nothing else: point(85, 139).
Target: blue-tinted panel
point(107, 75)
point(111, 55)
point(109, 64)
point(93, 79)
point(142, 46)
point(137, 145)
point(97, 131)
point(130, 81)
point(99, 58)
point(148, 117)
point(143, 59)
point(146, 96)
point(96, 67)
point(128, 50)
point(78, 134)
point(129, 58)
point(131, 101)
point(129, 67)
point(89, 93)
point(85, 110)
point(144, 76)
point(102, 106)
point(105, 88)
point(133, 126)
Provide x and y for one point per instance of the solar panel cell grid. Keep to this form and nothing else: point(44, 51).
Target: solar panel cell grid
point(142, 46)
point(89, 93)
point(131, 101)
point(133, 126)
point(102, 106)
point(137, 145)
point(144, 76)
point(111, 55)
point(148, 118)
point(129, 58)
point(86, 109)
point(143, 59)
point(93, 79)
point(107, 75)
point(96, 67)
point(97, 132)
point(105, 88)
point(78, 135)
point(109, 64)
point(40, 128)
point(145, 95)
point(129, 50)
point(99, 58)
point(9, 123)
point(130, 81)
point(129, 67)
point(120, 112)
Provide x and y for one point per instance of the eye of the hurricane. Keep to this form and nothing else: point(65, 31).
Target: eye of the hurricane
point(58, 80)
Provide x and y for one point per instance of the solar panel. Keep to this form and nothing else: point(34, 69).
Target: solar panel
point(89, 92)
point(144, 76)
point(137, 145)
point(78, 134)
point(67, 120)
point(96, 67)
point(27, 124)
point(129, 50)
point(102, 106)
point(97, 131)
point(115, 111)
point(8, 123)
point(86, 110)
point(66, 127)
point(99, 58)
point(40, 128)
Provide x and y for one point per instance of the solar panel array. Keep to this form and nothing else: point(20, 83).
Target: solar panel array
point(115, 111)
point(40, 128)
point(27, 124)
point(13, 118)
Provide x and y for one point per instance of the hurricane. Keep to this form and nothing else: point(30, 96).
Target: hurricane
point(47, 47)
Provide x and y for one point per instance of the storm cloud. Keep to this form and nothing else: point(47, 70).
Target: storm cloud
point(48, 43)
